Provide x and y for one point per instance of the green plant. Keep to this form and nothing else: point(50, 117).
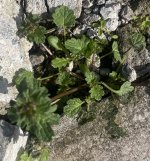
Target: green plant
point(32, 110)
point(142, 22)
point(71, 82)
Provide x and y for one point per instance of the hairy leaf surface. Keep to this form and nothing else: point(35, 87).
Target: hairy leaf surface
point(116, 51)
point(63, 17)
point(125, 88)
point(97, 92)
point(60, 62)
point(73, 107)
point(138, 41)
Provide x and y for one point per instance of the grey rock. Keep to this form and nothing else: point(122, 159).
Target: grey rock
point(80, 29)
point(90, 142)
point(140, 7)
point(40, 7)
point(12, 140)
point(37, 59)
point(94, 62)
point(87, 10)
point(87, 4)
point(14, 51)
point(100, 2)
point(91, 33)
point(110, 13)
point(96, 10)
point(127, 14)
point(89, 18)
point(36, 6)
point(138, 60)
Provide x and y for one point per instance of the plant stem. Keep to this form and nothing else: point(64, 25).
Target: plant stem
point(50, 30)
point(49, 77)
point(101, 57)
point(112, 90)
point(48, 50)
point(66, 93)
point(76, 75)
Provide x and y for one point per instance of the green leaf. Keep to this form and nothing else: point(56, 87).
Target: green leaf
point(90, 77)
point(44, 154)
point(73, 107)
point(55, 42)
point(113, 74)
point(125, 88)
point(32, 110)
point(26, 157)
point(60, 62)
point(77, 46)
point(138, 41)
point(64, 79)
point(22, 74)
point(63, 17)
point(38, 35)
point(115, 37)
point(97, 92)
point(116, 51)
point(92, 48)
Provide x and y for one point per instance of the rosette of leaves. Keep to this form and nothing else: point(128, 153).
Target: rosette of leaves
point(32, 30)
point(138, 41)
point(32, 110)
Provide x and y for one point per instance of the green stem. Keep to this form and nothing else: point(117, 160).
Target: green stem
point(108, 87)
point(123, 60)
point(66, 93)
point(64, 33)
point(50, 30)
point(49, 77)
point(101, 57)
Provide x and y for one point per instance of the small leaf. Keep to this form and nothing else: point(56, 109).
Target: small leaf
point(63, 17)
point(97, 92)
point(116, 51)
point(38, 35)
point(138, 41)
point(125, 88)
point(55, 42)
point(113, 75)
point(26, 157)
point(90, 77)
point(44, 154)
point(73, 107)
point(77, 46)
point(115, 37)
point(64, 79)
point(60, 62)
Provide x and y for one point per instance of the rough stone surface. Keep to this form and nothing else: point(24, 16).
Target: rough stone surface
point(126, 14)
point(100, 2)
point(14, 52)
point(11, 140)
point(39, 6)
point(138, 60)
point(110, 13)
point(90, 142)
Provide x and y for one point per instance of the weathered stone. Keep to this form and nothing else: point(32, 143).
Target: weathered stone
point(90, 142)
point(110, 13)
point(127, 14)
point(140, 7)
point(40, 7)
point(100, 2)
point(12, 140)
point(14, 51)
point(37, 59)
point(87, 4)
point(138, 60)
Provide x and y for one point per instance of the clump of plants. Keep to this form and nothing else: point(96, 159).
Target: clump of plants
point(73, 82)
